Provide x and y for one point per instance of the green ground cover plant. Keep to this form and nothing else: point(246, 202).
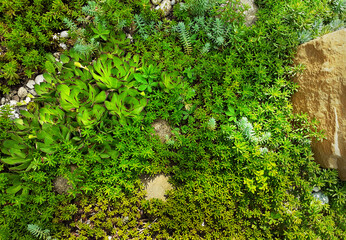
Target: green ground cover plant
point(26, 30)
point(239, 160)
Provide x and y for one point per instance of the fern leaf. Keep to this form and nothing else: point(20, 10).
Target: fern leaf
point(37, 232)
point(184, 37)
point(206, 48)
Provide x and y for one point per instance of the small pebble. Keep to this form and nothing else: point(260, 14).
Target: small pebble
point(33, 92)
point(64, 34)
point(63, 46)
point(22, 92)
point(13, 103)
point(30, 84)
point(27, 99)
point(39, 79)
point(16, 98)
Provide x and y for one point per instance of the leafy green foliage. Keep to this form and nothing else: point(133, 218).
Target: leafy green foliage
point(38, 232)
point(93, 124)
point(26, 28)
point(184, 37)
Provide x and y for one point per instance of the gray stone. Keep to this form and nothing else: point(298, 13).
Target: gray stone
point(64, 34)
point(319, 196)
point(13, 103)
point(3, 100)
point(16, 98)
point(27, 99)
point(33, 92)
point(22, 108)
point(56, 54)
point(30, 84)
point(166, 6)
point(39, 79)
point(61, 185)
point(63, 46)
point(250, 14)
point(162, 129)
point(22, 92)
point(14, 116)
point(156, 187)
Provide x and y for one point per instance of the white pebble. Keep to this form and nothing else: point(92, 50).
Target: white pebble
point(30, 84)
point(39, 79)
point(27, 99)
point(63, 46)
point(13, 103)
point(64, 34)
point(22, 92)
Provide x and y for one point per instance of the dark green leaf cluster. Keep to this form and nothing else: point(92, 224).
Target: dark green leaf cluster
point(26, 28)
point(98, 114)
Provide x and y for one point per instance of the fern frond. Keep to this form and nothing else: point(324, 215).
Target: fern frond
point(212, 123)
point(206, 48)
point(70, 25)
point(184, 37)
point(220, 40)
point(84, 48)
point(218, 27)
point(247, 129)
point(140, 26)
point(90, 9)
point(36, 231)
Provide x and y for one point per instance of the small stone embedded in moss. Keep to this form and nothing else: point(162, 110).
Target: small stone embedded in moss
point(61, 185)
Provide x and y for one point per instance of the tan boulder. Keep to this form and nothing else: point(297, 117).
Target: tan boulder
point(322, 94)
point(156, 186)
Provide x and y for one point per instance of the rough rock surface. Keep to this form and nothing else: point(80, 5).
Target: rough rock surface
point(61, 185)
point(156, 187)
point(250, 14)
point(162, 129)
point(39, 79)
point(322, 94)
point(22, 92)
point(165, 6)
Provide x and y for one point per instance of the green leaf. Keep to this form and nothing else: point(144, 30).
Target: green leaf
point(15, 160)
point(136, 58)
point(14, 189)
point(26, 114)
point(140, 78)
point(64, 89)
point(101, 97)
point(49, 66)
point(142, 88)
point(104, 155)
point(64, 58)
point(48, 77)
